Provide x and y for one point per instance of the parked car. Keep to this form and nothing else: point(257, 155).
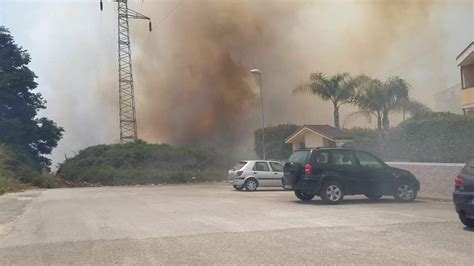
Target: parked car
point(332, 173)
point(463, 196)
point(256, 173)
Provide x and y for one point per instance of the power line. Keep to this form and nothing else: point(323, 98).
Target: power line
point(172, 10)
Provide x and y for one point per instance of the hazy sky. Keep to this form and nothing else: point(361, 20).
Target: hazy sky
point(73, 49)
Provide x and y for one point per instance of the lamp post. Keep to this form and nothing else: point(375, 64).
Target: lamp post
point(259, 73)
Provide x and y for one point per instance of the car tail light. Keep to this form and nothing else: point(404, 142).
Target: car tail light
point(459, 181)
point(308, 169)
point(239, 173)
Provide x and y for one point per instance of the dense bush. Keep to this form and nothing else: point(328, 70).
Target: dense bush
point(275, 147)
point(18, 166)
point(141, 163)
point(373, 141)
point(435, 137)
point(438, 137)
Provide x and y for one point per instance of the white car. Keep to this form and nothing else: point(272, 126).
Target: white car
point(256, 173)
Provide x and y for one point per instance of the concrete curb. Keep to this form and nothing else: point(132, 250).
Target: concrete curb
point(435, 199)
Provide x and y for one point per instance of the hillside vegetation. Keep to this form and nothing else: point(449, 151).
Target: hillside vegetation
point(20, 169)
point(141, 163)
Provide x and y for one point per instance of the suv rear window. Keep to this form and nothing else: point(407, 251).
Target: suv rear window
point(321, 157)
point(299, 157)
point(239, 165)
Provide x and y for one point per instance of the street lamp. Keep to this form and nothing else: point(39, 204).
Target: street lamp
point(259, 73)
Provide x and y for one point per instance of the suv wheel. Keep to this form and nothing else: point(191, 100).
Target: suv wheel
point(238, 187)
point(374, 196)
point(251, 184)
point(304, 196)
point(466, 221)
point(405, 192)
point(332, 193)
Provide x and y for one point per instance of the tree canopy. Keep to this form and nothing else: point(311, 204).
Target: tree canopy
point(19, 103)
point(339, 89)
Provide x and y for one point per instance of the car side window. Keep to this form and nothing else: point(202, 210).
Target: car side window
point(261, 166)
point(276, 167)
point(342, 157)
point(367, 160)
point(321, 157)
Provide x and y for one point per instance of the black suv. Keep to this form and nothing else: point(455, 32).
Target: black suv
point(332, 173)
point(463, 196)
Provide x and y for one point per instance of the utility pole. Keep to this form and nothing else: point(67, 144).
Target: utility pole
point(259, 73)
point(127, 115)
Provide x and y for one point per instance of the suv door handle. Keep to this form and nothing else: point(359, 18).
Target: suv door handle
point(255, 172)
point(275, 173)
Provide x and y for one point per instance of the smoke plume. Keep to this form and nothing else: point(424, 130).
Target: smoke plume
point(192, 79)
point(195, 82)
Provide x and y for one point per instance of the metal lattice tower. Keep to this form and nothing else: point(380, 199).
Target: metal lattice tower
point(127, 114)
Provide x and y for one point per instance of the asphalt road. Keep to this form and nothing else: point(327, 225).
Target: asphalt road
point(212, 224)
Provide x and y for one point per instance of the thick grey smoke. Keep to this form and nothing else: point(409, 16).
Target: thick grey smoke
point(193, 84)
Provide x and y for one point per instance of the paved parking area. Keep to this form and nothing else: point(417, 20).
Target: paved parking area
point(212, 224)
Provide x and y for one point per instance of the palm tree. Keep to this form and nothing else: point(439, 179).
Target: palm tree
point(339, 89)
point(370, 98)
point(414, 108)
point(395, 91)
point(382, 98)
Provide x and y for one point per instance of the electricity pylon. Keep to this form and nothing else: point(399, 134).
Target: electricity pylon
point(128, 120)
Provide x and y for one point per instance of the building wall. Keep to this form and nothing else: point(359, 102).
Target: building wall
point(313, 140)
point(436, 179)
point(467, 100)
point(467, 92)
point(467, 74)
point(297, 143)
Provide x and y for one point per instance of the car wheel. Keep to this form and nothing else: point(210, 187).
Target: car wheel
point(374, 196)
point(405, 192)
point(332, 193)
point(251, 184)
point(466, 221)
point(304, 196)
point(238, 187)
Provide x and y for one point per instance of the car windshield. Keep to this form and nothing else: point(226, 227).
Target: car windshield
point(299, 157)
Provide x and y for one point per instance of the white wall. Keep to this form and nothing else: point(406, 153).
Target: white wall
point(313, 140)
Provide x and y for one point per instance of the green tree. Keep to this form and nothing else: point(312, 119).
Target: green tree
point(383, 98)
point(275, 145)
point(19, 104)
point(414, 108)
point(395, 91)
point(370, 98)
point(339, 89)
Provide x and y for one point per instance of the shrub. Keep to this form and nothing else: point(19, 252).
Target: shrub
point(141, 163)
point(18, 166)
point(45, 180)
point(275, 136)
point(438, 137)
point(435, 137)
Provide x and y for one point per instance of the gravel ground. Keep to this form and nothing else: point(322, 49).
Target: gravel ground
point(436, 179)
